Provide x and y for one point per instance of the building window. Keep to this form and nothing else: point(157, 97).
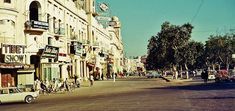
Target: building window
point(7, 1)
point(54, 24)
point(34, 10)
point(49, 41)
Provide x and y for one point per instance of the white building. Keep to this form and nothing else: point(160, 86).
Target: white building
point(55, 39)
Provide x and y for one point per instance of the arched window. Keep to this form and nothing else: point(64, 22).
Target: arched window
point(34, 9)
point(7, 1)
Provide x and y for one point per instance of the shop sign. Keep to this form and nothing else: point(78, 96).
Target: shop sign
point(76, 48)
point(13, 53)
point(50, 52)
point(40, 24)
point(14, 58)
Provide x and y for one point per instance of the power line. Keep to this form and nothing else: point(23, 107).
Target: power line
point(197, 12)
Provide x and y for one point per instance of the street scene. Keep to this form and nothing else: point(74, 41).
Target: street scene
point(117, 55)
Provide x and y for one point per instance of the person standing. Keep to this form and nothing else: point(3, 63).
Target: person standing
point(114, 77)
point(37, 85)
point(204, 76)
point(75, 79)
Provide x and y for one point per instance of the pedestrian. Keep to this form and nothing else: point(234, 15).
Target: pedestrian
point(204, 75)
point(114, 77)
point(56, 85)
point(91, 80)
point(102, 76)
point(43, 87)
point(66, 84)
point(75, 79)
point(37, 85)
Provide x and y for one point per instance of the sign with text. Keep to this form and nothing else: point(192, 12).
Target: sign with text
point(40, 24)
point(76, 48)
point(13, 53)
point(50, 52)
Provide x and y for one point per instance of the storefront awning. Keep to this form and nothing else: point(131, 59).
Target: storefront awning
point(11, 66)
point(16, 66)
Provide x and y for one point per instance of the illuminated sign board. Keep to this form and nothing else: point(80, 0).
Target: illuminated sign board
point(13, 53)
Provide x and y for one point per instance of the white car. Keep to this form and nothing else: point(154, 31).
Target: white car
point(13, 94)
point(153, 74)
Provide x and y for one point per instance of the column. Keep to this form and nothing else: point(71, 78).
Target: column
point(85, 70)
point(82, 71)
point(51, 28)
point(0, 78)
point(78, 72)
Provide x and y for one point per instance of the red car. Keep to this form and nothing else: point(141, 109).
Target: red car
point(222, 75)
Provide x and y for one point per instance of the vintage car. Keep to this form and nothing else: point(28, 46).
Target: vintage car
point(212, 74)
point(13, 94)
point(153, 74)
point(222, 75)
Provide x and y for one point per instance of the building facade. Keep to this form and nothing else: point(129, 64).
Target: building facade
point(56, 39)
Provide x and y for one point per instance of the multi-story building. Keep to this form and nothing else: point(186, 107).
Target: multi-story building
point(135, 65)
point(55, 39)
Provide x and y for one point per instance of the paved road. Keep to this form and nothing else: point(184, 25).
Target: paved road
point(137, 94)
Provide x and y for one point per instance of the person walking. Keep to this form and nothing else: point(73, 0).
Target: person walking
point(66, 84)
point(91, 80)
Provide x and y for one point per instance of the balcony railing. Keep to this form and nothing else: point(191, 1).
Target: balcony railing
point(59, 31)
point(86, 42)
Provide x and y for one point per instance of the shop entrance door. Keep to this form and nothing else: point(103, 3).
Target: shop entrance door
point(6, 80)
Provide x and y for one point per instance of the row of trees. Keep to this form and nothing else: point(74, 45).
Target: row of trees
point(172, 48)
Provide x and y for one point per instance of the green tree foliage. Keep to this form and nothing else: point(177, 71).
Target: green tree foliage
point(191, 55)
point(172, 47)
point(163, 49)
point(219, 50)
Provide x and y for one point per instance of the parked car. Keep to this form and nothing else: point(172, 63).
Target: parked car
point(13, 94)
point(222, 75)
point(232, 75)
point(153, 74)
point(211, 74)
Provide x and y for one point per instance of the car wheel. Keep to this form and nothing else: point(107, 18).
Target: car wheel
point(28, 99)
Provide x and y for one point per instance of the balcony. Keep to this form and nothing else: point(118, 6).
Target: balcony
point(36, 26)
point(59, 32)
point(85, 42)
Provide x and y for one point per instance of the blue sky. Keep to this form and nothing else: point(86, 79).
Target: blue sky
point(142, 19)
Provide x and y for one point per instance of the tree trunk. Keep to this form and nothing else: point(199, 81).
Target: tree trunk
point(175, 73)
point(181, 72)
point(186, 67)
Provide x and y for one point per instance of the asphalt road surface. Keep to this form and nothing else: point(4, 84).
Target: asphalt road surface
point(137, 94)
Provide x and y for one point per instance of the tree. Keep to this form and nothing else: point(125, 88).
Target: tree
point(164, 48)
point(219, 50)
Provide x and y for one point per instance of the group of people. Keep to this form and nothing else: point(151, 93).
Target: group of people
point(52, 86)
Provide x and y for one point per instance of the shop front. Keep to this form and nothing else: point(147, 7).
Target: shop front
point(13, 69)
point(49, 67)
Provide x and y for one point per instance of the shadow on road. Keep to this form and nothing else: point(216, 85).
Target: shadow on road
point(201, 87)
point(229, 97)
